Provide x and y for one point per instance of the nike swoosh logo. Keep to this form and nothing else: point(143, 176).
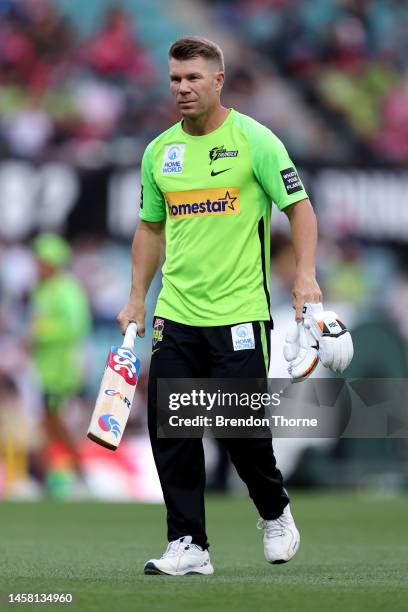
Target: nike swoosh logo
point(213, 173)
point(155, 350)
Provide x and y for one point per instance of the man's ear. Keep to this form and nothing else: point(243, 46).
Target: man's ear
point(219, 81)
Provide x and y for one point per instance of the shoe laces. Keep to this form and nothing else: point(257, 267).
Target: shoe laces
point(274, 528)
point(177, 547)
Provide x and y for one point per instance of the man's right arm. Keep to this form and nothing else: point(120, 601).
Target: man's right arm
point(147, 255)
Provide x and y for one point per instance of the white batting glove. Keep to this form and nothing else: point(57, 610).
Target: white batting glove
point(335, 346)
point(301, 351)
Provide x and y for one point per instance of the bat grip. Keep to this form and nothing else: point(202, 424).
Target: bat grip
point(130, 336)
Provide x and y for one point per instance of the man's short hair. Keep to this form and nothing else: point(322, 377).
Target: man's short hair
point(190, 47)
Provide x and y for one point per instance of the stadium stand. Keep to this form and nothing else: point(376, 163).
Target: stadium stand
point(349, 57)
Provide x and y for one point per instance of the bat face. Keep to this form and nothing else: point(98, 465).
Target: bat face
point(115, 397)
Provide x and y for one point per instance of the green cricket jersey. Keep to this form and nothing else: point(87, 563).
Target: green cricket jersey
point(215, 193)
point(60, 322)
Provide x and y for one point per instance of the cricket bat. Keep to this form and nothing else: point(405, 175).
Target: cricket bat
point(116, 393)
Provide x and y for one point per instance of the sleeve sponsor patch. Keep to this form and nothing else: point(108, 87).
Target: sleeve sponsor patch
point(291, 181)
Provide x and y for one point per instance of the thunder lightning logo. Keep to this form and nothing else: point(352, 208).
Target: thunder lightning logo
point(108, 423)
point(220, 153)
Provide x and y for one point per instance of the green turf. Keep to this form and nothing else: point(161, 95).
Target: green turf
point(353, 556)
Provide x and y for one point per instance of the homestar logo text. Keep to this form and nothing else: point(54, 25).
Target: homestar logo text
point(203, 203)
point(173, 159)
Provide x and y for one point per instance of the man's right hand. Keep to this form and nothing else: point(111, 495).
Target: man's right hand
point(133, 311)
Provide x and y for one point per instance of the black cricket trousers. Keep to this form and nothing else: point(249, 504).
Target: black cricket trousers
point(184, 351)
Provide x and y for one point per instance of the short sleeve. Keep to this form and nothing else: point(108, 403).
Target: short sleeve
point(274, 169)
point(152, 204)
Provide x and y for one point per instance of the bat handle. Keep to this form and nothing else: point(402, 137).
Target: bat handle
point(130, 336)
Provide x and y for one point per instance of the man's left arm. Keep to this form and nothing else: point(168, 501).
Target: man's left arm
point(278, 177)
point(303, 227)
point(319, 335)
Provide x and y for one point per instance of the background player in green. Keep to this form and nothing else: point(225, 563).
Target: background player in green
point(59, 324)
point(207, 187)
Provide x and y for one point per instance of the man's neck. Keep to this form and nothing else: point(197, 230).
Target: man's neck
point(205, 124)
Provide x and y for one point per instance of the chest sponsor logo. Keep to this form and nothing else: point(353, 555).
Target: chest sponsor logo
point(221, 153)
point(243, 337)
point(203, 203)
point(291, 181)
point(173, 159)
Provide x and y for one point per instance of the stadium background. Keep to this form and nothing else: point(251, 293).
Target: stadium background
point(84, 88)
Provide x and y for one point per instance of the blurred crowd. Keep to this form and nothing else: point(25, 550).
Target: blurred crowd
point(63, 95)
point(57, 89)
point(346, 62)
point(350, 57)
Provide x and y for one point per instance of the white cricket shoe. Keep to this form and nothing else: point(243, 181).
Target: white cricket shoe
point(281, 537)
point(181, 558)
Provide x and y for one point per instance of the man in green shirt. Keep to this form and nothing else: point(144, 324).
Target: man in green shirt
point(207, 187)
point(60, 323)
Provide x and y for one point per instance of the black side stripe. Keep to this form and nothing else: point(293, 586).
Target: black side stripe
point(261, 234)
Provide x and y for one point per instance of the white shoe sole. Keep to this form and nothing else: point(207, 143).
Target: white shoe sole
point(151, 569)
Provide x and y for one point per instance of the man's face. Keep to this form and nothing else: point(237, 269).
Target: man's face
point(195, 85)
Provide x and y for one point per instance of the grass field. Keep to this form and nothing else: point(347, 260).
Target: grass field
point(353, 556)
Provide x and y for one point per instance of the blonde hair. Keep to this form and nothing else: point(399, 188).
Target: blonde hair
point(190, 47)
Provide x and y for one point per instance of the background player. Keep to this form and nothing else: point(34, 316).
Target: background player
point(60, 322)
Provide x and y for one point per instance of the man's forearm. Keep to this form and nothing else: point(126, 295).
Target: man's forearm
point(304, 236)
point(147, 254)
point(303, 226)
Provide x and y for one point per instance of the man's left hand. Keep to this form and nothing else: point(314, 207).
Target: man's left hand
point(321, 335)
point(305, 289)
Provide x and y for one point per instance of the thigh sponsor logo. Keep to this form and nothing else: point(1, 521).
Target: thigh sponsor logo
point(243, 337)
point(203, 203)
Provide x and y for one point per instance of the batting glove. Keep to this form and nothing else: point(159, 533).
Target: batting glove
point(335, 346)
point(321, 335)
point(301, 351)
